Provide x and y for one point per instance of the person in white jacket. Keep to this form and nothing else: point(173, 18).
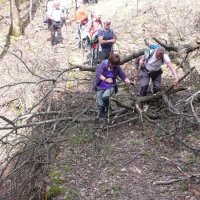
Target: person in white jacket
point(64, 6)
point(55, 14)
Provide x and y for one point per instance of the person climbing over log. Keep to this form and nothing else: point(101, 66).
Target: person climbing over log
point(150, 68)
point(105, 84)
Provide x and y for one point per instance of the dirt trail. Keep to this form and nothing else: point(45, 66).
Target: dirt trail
point(126, 161)
point(35, 50)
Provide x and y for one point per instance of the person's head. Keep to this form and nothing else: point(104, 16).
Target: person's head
point(97, 15)
point(107, 23)
point(160, 52)
point(114, 60)
point(56, 4)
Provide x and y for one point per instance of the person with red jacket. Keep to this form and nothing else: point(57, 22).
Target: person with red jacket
point(93, 25)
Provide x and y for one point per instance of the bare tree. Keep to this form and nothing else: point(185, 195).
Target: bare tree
point(16, 23)
point(31, 139)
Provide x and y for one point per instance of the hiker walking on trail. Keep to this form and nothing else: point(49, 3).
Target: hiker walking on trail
point(81, 19)
point(150, 68)
point(93, 26)
point(64, 6)
point(77, 4)
point(106, 38)
point(49, 9)
point(105, 84)
point(56, 16)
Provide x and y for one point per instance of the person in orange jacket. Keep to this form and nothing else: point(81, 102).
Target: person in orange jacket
point(81, 19)
point(81, 14)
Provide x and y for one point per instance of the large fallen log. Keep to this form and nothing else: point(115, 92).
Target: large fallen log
point(185, 48)
point(182, 52)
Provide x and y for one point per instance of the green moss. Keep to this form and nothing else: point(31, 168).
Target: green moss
point(16, 33)
point(58, 180)
point(147, 154)
point(18, 2)
point(55, 174)
point(16, 107)
point(187, 132)
point(54, 191)
point(56, 177)
point(191, 161)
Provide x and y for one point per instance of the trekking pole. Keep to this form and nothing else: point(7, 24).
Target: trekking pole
point(108, 114)
point(109, 106)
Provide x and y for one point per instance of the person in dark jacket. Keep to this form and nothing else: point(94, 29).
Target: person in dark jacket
point(106, 38)
point(105, 83)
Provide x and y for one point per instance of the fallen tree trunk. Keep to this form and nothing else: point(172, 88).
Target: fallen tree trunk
point(180, 49)
point(185, 48)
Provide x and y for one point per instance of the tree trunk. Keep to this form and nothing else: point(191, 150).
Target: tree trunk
point(30, 10)
point(16, 24)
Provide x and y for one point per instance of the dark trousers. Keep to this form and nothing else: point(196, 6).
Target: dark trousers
point(56, 28)
point(103, 55)
point(145, 77)
point(49, 23)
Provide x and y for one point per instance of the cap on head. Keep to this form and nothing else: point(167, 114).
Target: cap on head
point(161, 49)
point(107, 20)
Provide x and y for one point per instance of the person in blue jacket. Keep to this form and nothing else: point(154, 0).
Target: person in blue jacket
point(106, 38)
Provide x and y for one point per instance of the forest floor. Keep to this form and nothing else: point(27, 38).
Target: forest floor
point(125, 162)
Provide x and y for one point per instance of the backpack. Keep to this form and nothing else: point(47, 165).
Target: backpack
point(148, 53)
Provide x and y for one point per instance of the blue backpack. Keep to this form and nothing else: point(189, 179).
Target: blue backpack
point(148, 53)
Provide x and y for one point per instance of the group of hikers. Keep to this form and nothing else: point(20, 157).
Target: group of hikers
point(108, 67)
point(89, 24)
point(148, 68)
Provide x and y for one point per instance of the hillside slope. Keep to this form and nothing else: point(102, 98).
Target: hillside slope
point(125, 162)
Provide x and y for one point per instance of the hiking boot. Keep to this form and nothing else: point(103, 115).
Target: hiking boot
point(53, 44)
point(102, 123)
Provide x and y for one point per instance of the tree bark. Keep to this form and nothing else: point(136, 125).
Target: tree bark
point(30, 10)
point(186, 48)
point(180, 49)
point(16, 25)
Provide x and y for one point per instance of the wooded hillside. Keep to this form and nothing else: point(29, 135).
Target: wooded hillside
point(50, 146)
